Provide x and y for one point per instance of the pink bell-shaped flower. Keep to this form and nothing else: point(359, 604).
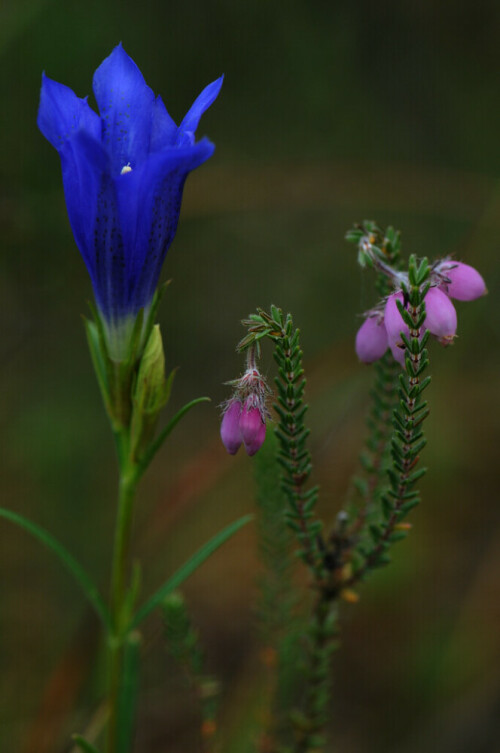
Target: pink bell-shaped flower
point(441, 317)
point(466, 282)
point(371, 340)
point(398, 352)
point(252, 427)
point(393, 321)
point(230, 427)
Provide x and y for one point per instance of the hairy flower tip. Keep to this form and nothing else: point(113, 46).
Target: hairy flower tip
point(440, 316)
point(252, 425)
point(466, 284)
point(371, 339)
point(230, 426)
point(394, 323)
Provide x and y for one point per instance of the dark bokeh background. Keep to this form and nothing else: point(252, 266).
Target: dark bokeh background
point(330, 112)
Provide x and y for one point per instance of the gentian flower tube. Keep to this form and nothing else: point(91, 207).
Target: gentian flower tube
point(123, 174)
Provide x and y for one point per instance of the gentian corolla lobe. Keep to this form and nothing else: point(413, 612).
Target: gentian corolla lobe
point(123, 174)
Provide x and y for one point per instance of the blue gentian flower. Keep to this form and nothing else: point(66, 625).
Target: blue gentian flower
point(123, 175)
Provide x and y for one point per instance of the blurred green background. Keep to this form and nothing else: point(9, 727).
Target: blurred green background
point(330, 113)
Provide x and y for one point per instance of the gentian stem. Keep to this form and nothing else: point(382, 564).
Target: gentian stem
point(120, 619)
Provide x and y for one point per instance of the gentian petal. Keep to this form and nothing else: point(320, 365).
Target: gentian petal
point(126, 106)
point(83, 162)
point(61, 114)
point(92, 204)
point(149, 225)
point(163, 129)
point(202, 102)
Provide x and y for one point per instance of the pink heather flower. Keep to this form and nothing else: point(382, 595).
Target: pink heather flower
point(371, 340)
point(230, 429)
point(395, 325)
point(398, 352)
point(466, 282)
point(393, 321)
point(441, 317)
point(252, 426)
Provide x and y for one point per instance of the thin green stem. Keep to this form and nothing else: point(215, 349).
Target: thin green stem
point(310, 724)
point(127, 488)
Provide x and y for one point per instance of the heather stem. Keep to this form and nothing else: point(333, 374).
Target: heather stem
point(407, 439)
point(309, 725)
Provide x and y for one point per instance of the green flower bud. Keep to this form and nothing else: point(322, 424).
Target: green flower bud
point(150, 393)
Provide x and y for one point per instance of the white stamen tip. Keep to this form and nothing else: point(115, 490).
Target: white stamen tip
point(126, 169)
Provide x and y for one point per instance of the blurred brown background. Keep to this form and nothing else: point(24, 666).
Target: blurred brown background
point(330, 113)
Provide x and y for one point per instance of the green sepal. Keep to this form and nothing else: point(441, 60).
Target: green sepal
point(134, 346)
point(95, 343)
point(153, 309)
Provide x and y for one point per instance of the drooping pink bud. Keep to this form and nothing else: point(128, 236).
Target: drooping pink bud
point(371, 340)
point(230, 427)
point(466, 282)
point(441, 317)
point(393, 321)
point(252, 427)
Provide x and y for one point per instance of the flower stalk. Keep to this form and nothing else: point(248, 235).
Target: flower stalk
point(128, 479)
point(294, 458)
point(407, 439)
point(383, 396)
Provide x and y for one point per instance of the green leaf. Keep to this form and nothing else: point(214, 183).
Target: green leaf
point(84, 745)
point(155, 446)
point(69, 562)
point(189, 567)
point(94, 343)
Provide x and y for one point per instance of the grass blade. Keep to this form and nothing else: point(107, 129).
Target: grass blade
point(155, 446)
point(88, 587)
point(189, 567)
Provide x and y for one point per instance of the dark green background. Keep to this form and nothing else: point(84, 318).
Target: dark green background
point(330, 112)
